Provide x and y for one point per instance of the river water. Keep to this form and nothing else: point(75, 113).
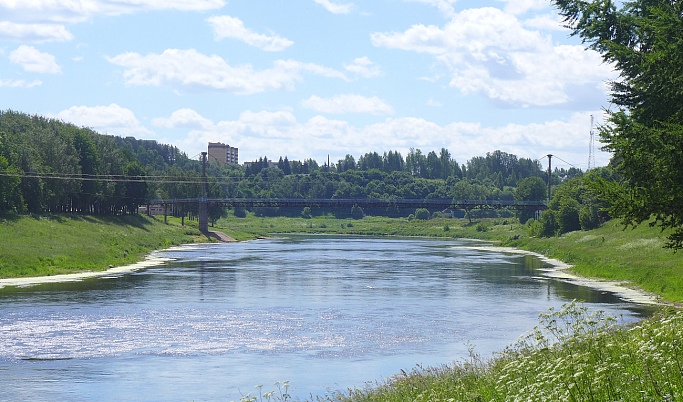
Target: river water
point(324, 313)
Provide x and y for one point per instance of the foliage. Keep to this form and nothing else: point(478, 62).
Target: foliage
point(306, 213)
point(422, 214)
point(356, 212)
point(530, 189)
point(644, 41)
point(572, 355)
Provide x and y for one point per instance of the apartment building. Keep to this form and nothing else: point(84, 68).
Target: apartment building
point(222, 154)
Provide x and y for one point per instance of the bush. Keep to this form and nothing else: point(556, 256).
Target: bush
point(446, 227)
point(411, 217)
point(357, 212)
point(422, 214)
point(588, 217)
point(322, 225)
point(482, 227)
point(306, 213)
point(240, 212)
point(349, 225)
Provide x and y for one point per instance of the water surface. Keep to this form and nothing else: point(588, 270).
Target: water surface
point(325, 313)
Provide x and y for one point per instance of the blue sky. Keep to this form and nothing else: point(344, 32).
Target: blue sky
point(309, 78)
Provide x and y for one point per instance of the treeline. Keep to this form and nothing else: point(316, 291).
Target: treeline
point(47, 165)
point(501, 168)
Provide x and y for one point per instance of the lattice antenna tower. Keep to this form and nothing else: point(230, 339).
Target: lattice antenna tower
point(591, 148)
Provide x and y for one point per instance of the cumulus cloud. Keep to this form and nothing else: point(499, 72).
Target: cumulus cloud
point(192, 70)
point(489, 51)
point(364, 67)
point(341, 104)
point(279, 133)
point(230, 27)
point(187, 118)
point(19, 83)
point(33, 32)
point(112, 119)
point(335, 8)
point(31, 59)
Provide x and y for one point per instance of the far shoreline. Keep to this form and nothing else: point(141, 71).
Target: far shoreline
point(559, 270)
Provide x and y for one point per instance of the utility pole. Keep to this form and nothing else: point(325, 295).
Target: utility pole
point(203, 207)
point(550, 171)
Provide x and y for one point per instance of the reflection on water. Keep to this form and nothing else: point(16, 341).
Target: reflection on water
point(322, 312)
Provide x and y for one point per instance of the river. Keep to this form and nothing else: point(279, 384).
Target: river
point(322, 312)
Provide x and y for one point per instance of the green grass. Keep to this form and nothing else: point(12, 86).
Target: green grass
point(636, 256)
point(56, 244)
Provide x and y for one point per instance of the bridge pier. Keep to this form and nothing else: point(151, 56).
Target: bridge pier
point(203, 216)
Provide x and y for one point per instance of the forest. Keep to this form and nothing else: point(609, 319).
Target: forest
point(49, 166)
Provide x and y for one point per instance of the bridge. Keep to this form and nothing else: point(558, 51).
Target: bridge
point(438, 204)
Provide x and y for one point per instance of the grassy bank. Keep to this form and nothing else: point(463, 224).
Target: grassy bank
point(572, 355)
point(58, 244)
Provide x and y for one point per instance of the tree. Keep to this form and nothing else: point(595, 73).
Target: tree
point(530, 189)
point(422, 214)
point(644, 41)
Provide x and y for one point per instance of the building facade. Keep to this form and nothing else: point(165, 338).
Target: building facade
point(223, 154)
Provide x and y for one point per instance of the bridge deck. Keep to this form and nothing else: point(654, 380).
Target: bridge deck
point(360, 202)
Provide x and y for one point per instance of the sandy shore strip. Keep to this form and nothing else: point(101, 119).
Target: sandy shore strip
point(150, 261)
point(560, 271)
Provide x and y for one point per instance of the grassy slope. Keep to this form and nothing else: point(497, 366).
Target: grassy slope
point(49, 245)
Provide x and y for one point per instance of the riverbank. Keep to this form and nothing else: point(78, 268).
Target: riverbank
point(622, 261)
point(52, 245)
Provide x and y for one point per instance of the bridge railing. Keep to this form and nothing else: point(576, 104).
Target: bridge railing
point(361, 202)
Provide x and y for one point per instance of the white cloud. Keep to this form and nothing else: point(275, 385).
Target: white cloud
point(341, 104)
point(32, 11)
point(230, 27)
point(278, 134)
point(192, 70)
point(112, 119)
point(364, 67)
point(19, 83)
point(44, 20)
point(433, 103)
point(548, 22)
point(184, 118)
point(522, 6)
point(31, 59)
point(488, 51)
point(33, 32)
point(335, 8)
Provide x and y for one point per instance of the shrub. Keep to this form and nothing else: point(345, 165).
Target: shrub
point(240, 212)
point(588, 217)
point(357, 212)
point(306, 213)
point(411, 217)
point(482, 227)
point(422, 214)
point(446, 227)
point(349, 225)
